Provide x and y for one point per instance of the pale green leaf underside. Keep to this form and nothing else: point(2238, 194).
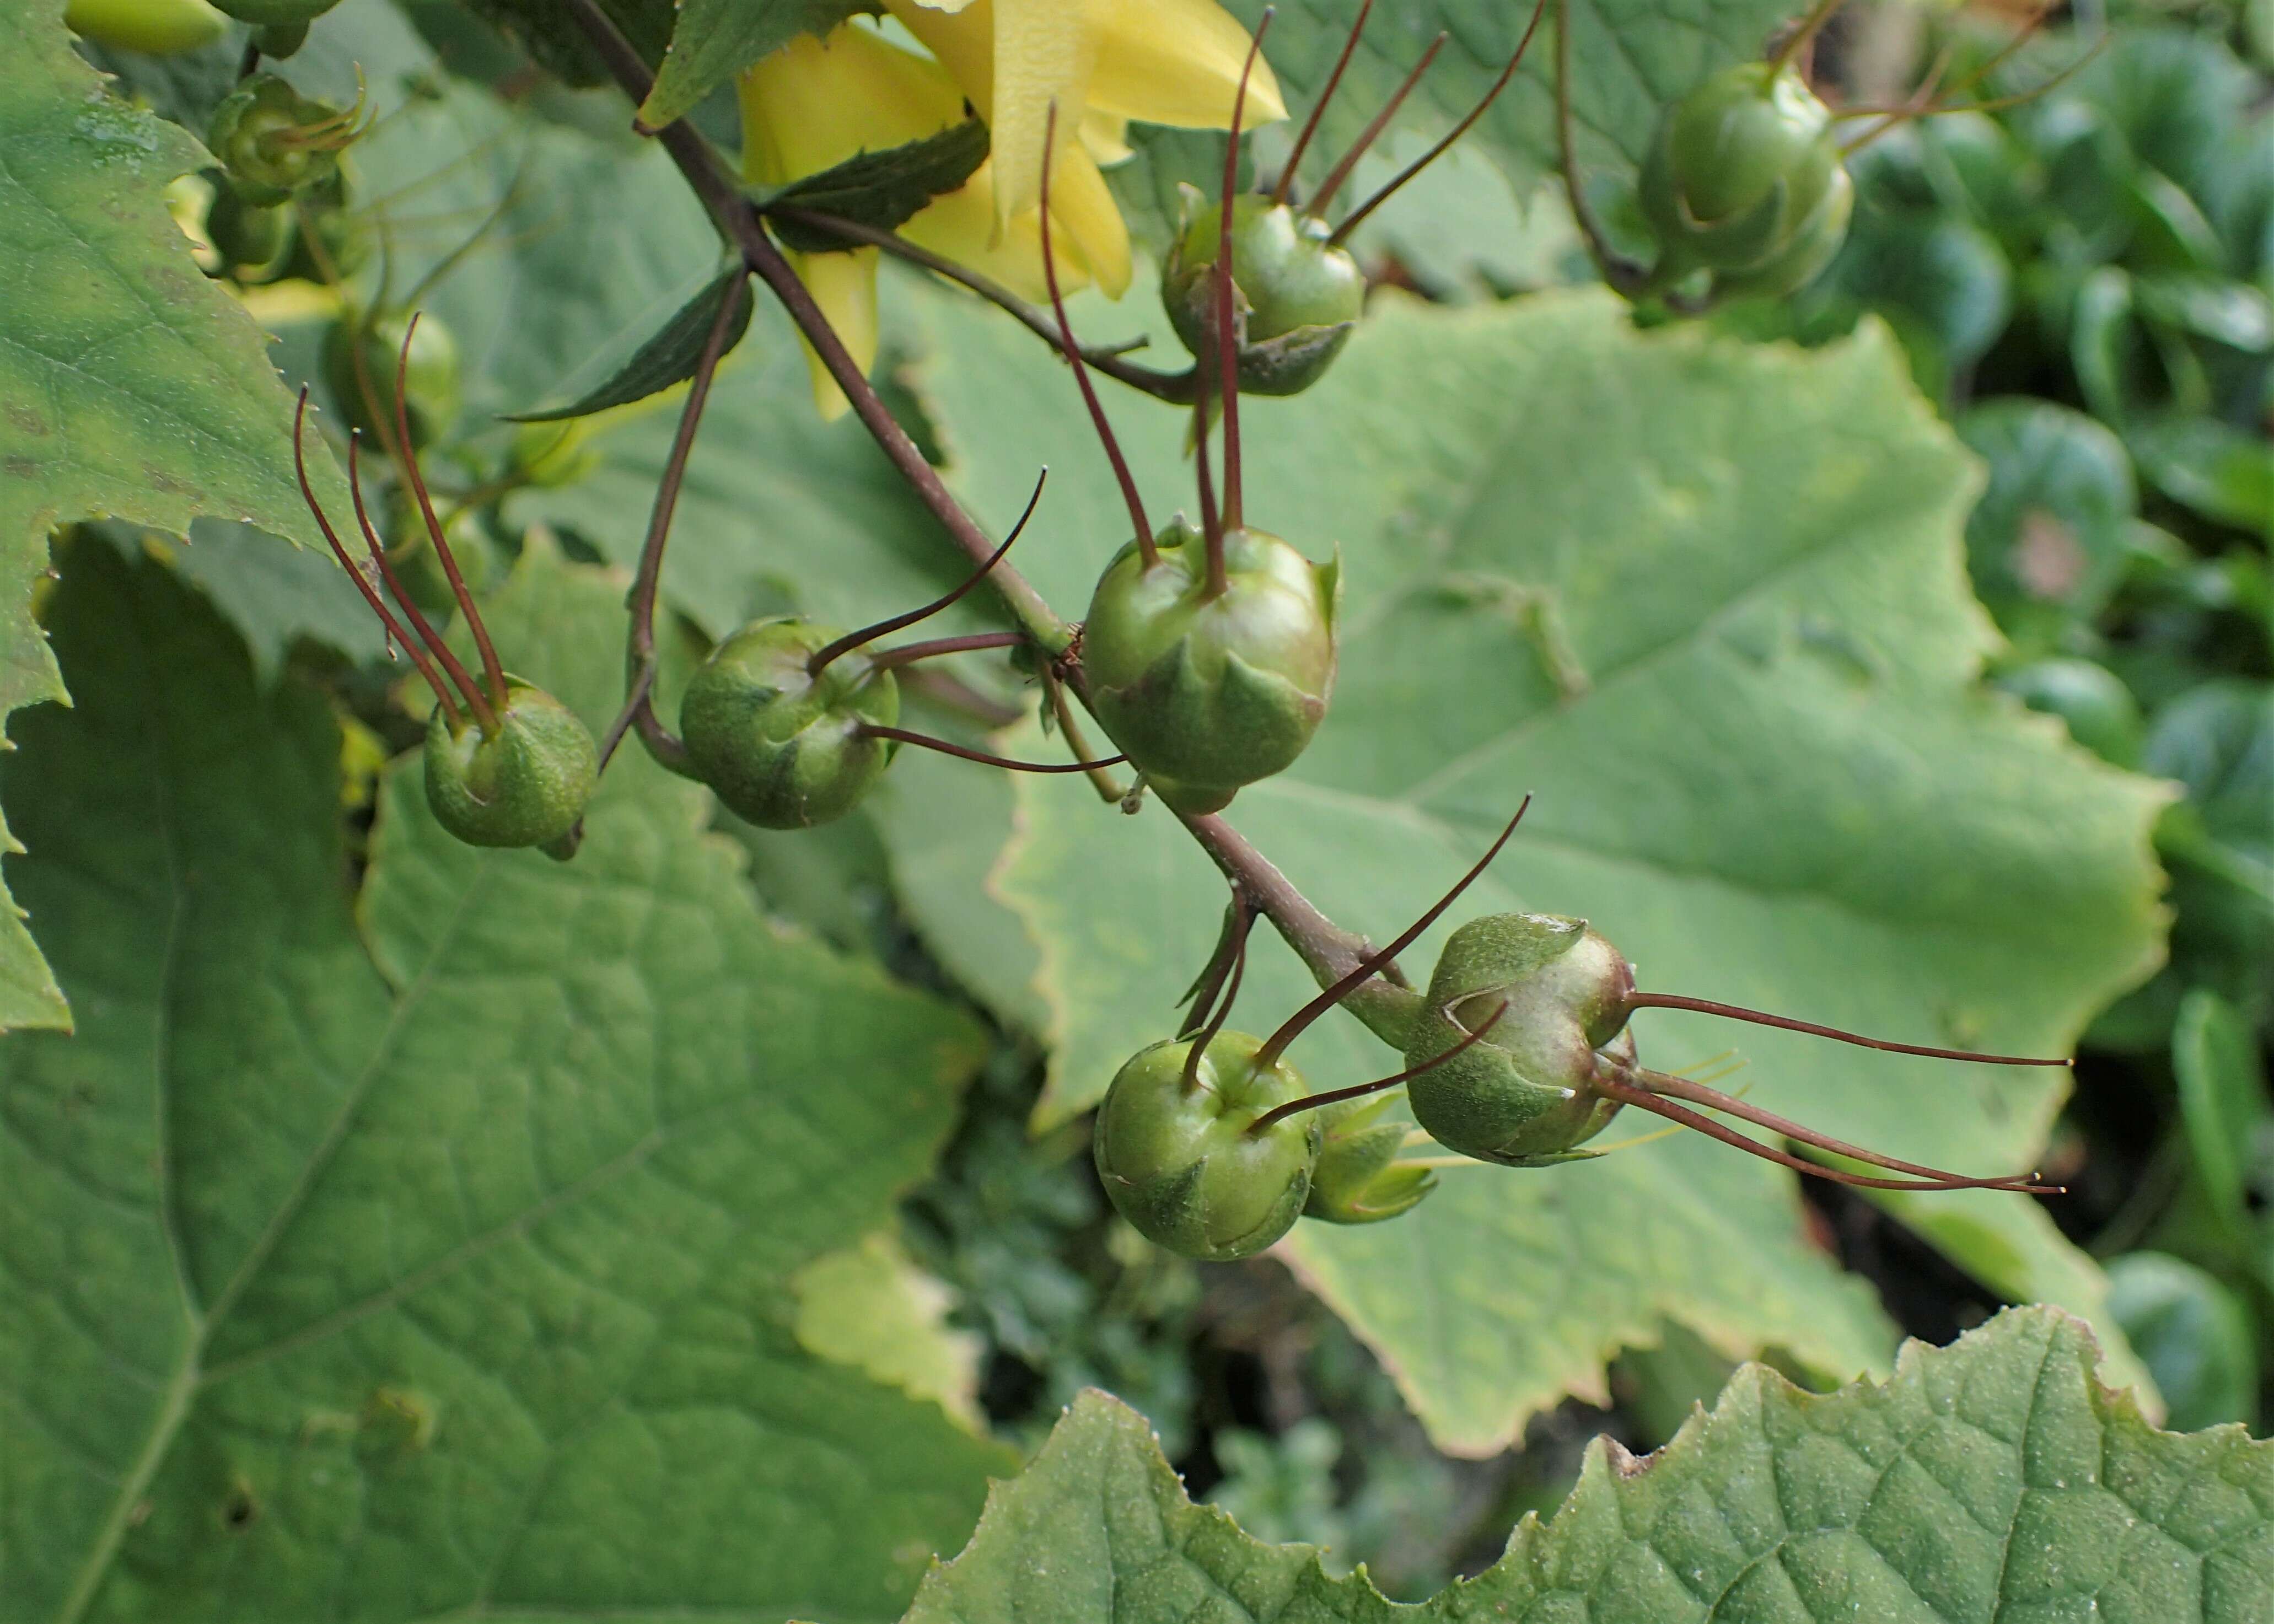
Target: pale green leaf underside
point(436, 1258)
point(129, 385)
point(1708, 603)
point(1992, 1481)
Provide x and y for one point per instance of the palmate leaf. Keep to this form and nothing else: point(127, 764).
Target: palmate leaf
point(437, 1256)
point(132, 387)
point(1992, 1481)
point(1708, 602)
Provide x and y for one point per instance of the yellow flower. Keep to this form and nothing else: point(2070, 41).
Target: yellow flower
point(1101, 63)
point(818, 101)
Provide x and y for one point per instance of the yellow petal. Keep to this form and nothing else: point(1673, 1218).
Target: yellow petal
point(1082, 205)
point(1176, 62)
point(817, 101)
point(1044, 53)
point(1107, 137)
point(961, 226)
point(963, 40)
point(845, 286)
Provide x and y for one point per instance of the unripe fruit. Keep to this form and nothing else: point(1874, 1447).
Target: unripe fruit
point(2100, 711)
point(277, 13)
point(252, 238)
point(1743, 179)
point(1301, 293)
point(1208, 693)
point(1524, 1095)
point(782, 749)
point(272, 140)
point(1182, 1165)
point(524, 784)
point(155, 27)
point(549, 454)
point(1358, 1180)
point(430, 380)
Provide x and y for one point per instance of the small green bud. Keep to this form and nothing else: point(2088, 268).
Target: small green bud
point(554, 454)
point(1358, 1180)
point(431, 382)
point(279, 40)
point(1209, 694)
point(277, 13)
point(155, 27)
point(1743, 177)
point(782, 749)
point(1182, 1165)
point(1524, 1095)
point(274, 141)
point(1301, 293)
point(252, 238)
point(525, 783)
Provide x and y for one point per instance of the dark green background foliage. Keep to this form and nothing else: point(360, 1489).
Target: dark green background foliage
point(393, 1230)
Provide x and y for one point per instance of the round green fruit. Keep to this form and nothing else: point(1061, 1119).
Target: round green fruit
point(1302, 293)
point(1525, 1094)
point(1207, 693)
point(266, 135)
point(155, 28)
point(253, 239)
point(1184, 1165)
point(431, 378)
point(782, 749)
point(525, 783)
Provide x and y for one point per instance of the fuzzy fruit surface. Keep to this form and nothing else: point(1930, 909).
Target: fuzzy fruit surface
point(1301, 293)
point(1358, 1179)
point(1208, 693)
point(1743, 176)
point(256, 134)
point(783, 749)
point(155, 28)
point(1525, 1095)
point(1182, 1166)
point(430, 380)
point(524, 785)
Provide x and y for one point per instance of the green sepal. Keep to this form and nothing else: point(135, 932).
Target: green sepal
point(1182, 1166)
point(525, 783)
point(1296, 297)
point(1521, 1095)
point(1207, 695)
point(783, 750)
point(1358, 1179)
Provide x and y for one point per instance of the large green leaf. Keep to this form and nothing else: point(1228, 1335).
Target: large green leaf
point(436, 1256)
point(132, 387)
point(1992, 1481)
point(1708, 602)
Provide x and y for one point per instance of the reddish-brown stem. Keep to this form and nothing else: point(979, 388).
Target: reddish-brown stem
point(1211, 522)
point(1238, 915)
point(1368, 136)
point(491, 668)
point(1223, 1011)
point(1733, 1011)
point(1227, 327)
point(1351, 223)
point(871, 730)
point(483, 711)
point(647, 585)
point(1319, 107)
point(852, 640)
point(908, 653)
point(1073, 351)
point(400, 637)
point(1295, 1024)
point(1644, 1099)
point(1803, 33)
point(1358, 1091)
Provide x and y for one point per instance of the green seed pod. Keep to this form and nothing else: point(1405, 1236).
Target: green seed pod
point(1357, 1180)
point(431, 382)
point(252, 238)
point(1301, 294)
point(1741, 171)
point(2100, 711)
point(524, 785)
point(1524, 1095)
point(277, 13)
point(782, 749)
point(272, 140)
point(1813, 246)
point(1206, 695)
point(1182, 1166)
point(155, 28)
